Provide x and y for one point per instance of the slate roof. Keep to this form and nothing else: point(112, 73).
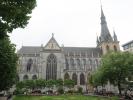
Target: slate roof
point(127, 43)
point(88, 50)
point(29, 50)
point(37, 49)
point(83, 49)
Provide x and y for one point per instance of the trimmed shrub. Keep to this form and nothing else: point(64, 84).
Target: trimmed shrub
point(61, 90)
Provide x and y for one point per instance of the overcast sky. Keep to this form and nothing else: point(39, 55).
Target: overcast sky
point(75, 22)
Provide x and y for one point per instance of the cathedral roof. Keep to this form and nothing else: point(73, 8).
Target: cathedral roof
point(29, 50)
point(76, 50)
point(81, 49)
point(86, 50)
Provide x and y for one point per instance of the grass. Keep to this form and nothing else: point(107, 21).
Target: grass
point(62, 97)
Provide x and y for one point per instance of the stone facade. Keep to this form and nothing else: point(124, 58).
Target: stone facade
point(76, 62)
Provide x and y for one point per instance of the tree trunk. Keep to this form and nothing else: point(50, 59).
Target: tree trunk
point(119, 88)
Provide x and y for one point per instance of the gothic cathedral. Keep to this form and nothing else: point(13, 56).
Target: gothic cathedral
point(55, 62)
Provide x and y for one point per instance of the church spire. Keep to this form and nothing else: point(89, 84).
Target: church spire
point(97, 42)
point(115, 37)
point(105, 34)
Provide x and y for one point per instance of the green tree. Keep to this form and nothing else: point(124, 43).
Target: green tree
point(8, 63)
point(98, 79)
point(20, 85)
point(14, 14)
point(116, 67)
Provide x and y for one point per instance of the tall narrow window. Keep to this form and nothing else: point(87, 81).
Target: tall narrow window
point(74, 77)
point(29, 65)
point(72, 62)
point(96, 64)
point(51, 69)
point(78, 62)
point(67, 64)
point(84, 62)
point(82, 79)
point(90, 64)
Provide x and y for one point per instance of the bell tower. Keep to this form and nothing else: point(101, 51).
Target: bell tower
point(105, 41)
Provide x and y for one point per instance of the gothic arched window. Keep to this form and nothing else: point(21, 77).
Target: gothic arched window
point(82, 79)
point(74, 77)
point(96, 64)
point(34, 77)
point(25, 77)
point(84, 62)
point(29, 64)
point(78, 63)
point(67, 64)
point(72, 62)
point(90, 64)
point(115, 48)
point(51, 69)
point(66, 76)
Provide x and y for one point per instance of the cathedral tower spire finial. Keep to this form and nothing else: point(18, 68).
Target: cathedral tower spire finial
point(115, 36)
point(105, 34)
point(52, 34)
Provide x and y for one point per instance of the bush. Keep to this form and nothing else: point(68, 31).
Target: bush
point(18, 91)
point(80, 90)
point(61, 90)
point(70, 91)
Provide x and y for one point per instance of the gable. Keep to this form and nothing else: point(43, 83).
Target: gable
point(52, 44)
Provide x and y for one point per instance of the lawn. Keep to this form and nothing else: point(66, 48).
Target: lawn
point(63, 97)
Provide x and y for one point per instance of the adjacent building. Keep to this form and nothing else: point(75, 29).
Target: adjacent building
point(128, 46)
point(53, 61)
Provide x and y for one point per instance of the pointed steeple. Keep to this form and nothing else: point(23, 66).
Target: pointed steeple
point(105, 34)
point(102, 16)
point(97, 40)
point(115, 37)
